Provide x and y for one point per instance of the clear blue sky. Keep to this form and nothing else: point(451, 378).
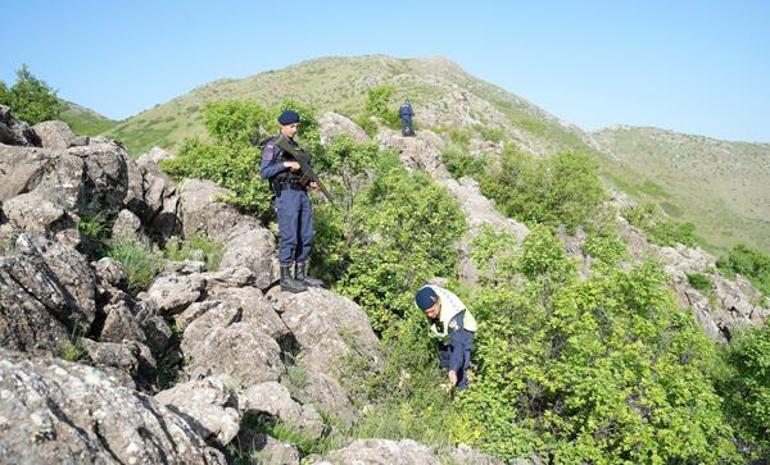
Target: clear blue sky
point(699, 67)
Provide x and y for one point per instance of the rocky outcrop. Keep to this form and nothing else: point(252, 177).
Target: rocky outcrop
point(58, 412)
point(274, 400)
point(58, 135)
point(16, 132)
point(406, 452)
point(209, 405)
point(332, 125)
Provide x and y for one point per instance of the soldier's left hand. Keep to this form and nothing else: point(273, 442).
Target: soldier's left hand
point(313, 185)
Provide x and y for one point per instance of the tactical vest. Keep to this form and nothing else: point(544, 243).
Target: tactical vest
point(451, 305)
point(286, 177)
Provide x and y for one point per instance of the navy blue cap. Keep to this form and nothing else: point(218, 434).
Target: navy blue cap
point(288, 117)
point(425, 298)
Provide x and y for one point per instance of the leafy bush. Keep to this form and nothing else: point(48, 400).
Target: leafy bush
point(563, 189)
point(31, 99)
point(460, 163)
point(602, 371)
point(378, 104)
point(606, 247)
point(94, 228)
point(400, 232)
point(140, 263)
point(650, 218)
point(749, 262)
point(699, 281)
point(745, 387)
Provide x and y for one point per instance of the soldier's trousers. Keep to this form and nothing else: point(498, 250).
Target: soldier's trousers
point(295, 225)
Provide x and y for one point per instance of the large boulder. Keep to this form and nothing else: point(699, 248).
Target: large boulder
point(87, 180)
point(381, 452)
point(59, 412)
point(14, 131)
point(247, 244)
point(422, 152)
point(47, 293)
point(172, 293)
point(332, 125)
point(58, 135)
point(240, 350)
point(273, 399)
point(209, 405)
point(326, 326)
point(326, 394)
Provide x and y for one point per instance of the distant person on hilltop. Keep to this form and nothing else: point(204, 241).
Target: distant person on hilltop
point(453, 327)
point(292, 206)
point(406, 113)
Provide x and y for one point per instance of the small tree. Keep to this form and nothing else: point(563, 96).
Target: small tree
point(31, 99)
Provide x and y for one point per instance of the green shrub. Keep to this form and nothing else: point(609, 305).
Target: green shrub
point(606, 370)
point(94, 228)
point(563, 189)
point(400, 232)
point(605, 247)
point(459, 163)
point(72, 350)
point(650, 218)
point(140, 263)
point(744, 384)
point(378, 104)
point(700, 281)
point(31, 99)
point(749, 262)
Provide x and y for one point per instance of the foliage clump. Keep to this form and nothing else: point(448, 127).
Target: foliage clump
point(30, 98)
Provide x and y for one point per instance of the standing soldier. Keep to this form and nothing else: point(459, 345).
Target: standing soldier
point(292, 206)
point(453, 327)
point(405, 112)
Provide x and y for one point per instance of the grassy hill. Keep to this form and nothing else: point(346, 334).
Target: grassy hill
point(85, 121)
point(716, 185)
point(722, 187)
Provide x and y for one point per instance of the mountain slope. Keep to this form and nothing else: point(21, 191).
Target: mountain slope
point(85, 121)
point(692, 177)
point(720, 186)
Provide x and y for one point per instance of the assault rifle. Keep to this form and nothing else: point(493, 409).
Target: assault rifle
point(303, 158)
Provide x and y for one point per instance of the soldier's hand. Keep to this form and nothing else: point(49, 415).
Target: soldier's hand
point(313, 185)
point(292, 165)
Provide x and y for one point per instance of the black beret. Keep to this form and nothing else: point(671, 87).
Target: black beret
point(288, 117)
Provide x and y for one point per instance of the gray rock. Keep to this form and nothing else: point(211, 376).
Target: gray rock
point(332, 125)
point(381, 452)
point(194, 311)
point(128, 227)
point(254, 249)
point(258, 310)
point(111, 272)
point(132, 358)
point(157, 332)
point(222, 315)
point(241, 351)
point(154, 157)
point(209, 405)
point(327, 395)
point(184, 267)
point(326, 326)
point(204, 213)
point(266, 450)
point(46, 293)
point(273, 399)
point(57, 135)
point(84, 180)
point(14, 131)
point(58, 412)
point(120, 323)
point(465, 455)
point(33, 213)
point(172, 293)
point(153, 197)
point(422, 152)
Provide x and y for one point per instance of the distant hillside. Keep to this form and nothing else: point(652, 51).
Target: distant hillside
point(723, 187)
point(716, 185)
point(85, 121)
point(442, 93)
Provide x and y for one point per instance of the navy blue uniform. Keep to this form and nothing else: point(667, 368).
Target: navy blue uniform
point(455, 354)
point(292, 205)
point(405, 112)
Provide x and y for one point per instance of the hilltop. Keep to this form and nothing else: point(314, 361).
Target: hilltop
point(716, 185)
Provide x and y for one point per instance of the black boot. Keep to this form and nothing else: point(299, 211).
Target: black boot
point(302, 277)
point(288, 283)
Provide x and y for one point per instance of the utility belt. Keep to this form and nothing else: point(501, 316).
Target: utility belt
point(280, 185)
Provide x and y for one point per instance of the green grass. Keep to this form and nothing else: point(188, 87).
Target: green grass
point(211, 251)
point(84, 121)
point(141, 263)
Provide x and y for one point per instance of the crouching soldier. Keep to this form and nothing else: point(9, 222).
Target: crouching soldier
point(292, 206)
point(453, 326)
